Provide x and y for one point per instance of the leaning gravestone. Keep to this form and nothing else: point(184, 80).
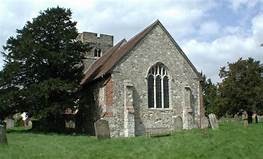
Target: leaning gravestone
point(178, 123)
point(204, 122)
point(213, 121)
point(3, 138)
point(102, 129)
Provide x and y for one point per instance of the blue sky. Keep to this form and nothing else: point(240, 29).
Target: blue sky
point(211, 32)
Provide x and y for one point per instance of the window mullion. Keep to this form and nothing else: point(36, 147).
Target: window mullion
point(162, 92)
point(154, 90)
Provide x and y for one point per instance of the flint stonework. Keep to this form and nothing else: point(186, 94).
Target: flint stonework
point(130, 114)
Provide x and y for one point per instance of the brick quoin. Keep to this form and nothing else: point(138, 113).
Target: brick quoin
point(109, 97)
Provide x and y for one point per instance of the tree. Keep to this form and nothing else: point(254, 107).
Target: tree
point(241, 87)
point(210, 95)
point(43, 65)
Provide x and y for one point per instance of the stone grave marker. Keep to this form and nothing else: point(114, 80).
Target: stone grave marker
point(10, 123)
point(213, 121)
point(204, 122)
point(3, 138)
point(178, 123)
point(260, 118)
point(102, 129)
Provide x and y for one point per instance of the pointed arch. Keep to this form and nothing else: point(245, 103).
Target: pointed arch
point(158, 86)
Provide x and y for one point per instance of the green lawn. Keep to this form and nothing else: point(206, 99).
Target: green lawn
point(231, 141)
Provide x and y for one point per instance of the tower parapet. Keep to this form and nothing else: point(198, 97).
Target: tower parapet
point(99, 44)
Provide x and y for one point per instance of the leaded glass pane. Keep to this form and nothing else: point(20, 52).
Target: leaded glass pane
point(166, 92)
point(158, 92)
point(150, 91)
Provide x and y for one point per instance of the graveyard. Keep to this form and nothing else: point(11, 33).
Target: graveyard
point(114, 83)
point(230, 140)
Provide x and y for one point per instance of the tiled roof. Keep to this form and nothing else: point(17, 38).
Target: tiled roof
point(113, 55)
point(106, 62)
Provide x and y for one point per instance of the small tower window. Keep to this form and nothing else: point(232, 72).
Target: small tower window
point(97, 52)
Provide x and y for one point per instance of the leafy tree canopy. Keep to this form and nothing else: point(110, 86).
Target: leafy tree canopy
point(209, 95)
point(241, 87)
point(43, 65)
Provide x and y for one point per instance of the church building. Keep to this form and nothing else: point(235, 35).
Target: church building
point(144, 84)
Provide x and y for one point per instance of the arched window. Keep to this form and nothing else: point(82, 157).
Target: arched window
point(97, 52)
point(158, 87)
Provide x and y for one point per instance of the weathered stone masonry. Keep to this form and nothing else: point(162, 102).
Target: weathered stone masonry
point(125, 92)
point(98, 43)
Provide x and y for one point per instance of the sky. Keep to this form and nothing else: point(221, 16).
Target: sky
point(210, 32)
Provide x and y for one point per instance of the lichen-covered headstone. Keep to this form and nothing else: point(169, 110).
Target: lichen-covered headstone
point(3, 138)
point(245, 118)
point(102, 129)
point(10, 123)
point(178, 123)
point(260, 118)
point(204, 122)
point(213, 121)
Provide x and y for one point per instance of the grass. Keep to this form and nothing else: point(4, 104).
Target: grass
point(230, 141)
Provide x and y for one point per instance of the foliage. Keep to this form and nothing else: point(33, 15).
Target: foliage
point(43, 65)
point(209, 95)
point(231, 140)
point(241, 87)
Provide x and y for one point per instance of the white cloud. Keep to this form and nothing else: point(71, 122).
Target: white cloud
point(230, 30)
point(119, 18)
point(209, 28)
point(257, 27)
point(210, 56)
point(238, 4)
point(187, 20)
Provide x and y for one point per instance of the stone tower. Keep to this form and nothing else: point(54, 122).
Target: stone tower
point(99, 43)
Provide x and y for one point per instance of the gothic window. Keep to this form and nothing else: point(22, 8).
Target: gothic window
point(151, 91)
point(158, 90)
point(97, 52)
point(158, 87)
point(166, 92)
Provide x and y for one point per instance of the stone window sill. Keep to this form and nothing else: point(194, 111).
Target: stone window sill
point(160, 109)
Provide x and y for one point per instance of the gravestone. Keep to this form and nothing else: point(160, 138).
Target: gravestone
point(260, 118)
point(178, 123)
point(213, 121)
point(204, 122)
point(3, 138)
point(10, 123)
point(102, 129)
point(255, 118)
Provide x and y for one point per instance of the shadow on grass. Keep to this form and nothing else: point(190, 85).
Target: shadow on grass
point(19, 130)
point(23, 130)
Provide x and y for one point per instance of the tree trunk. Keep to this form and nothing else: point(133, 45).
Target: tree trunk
point(3, 138)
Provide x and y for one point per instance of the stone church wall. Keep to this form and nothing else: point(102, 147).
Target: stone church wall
point(155, 47)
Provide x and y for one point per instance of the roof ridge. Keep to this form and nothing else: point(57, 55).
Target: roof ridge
point(107, 62)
